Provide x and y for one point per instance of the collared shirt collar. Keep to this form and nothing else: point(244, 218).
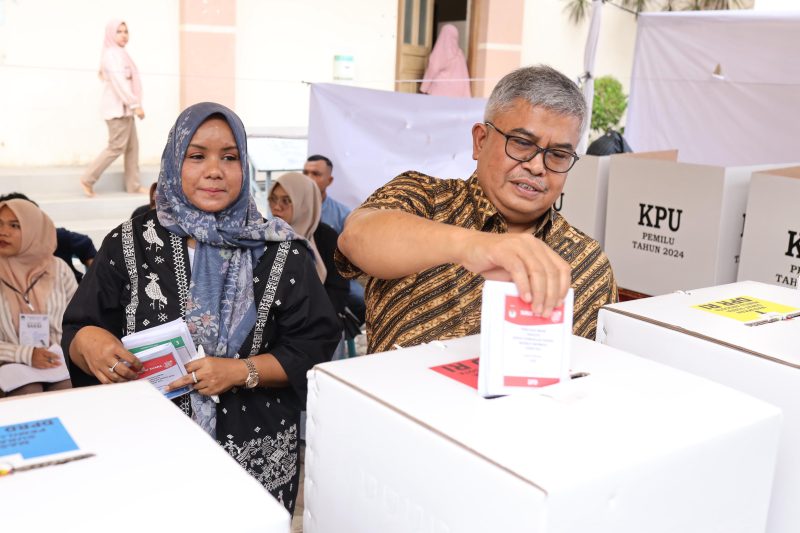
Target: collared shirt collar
point(488, 217)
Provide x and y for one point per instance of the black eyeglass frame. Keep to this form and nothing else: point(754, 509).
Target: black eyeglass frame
point(539, 150)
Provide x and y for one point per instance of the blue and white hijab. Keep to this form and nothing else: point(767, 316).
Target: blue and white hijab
point(221, 309)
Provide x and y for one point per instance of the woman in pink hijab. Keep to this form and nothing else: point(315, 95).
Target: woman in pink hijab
point(446, 62)
point(122, 99)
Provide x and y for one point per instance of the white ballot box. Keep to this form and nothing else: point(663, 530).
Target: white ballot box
point(704, 331)
point(672, 226)
point(153, 468)
point(394, 445)
point(771, 241)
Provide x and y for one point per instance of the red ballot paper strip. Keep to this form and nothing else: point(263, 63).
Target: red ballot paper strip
point(161, 366)
point(465, 371)
point(156, 365)
point(520, 313)
point(522, 381)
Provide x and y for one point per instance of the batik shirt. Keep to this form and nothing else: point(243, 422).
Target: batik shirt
point(444, 302)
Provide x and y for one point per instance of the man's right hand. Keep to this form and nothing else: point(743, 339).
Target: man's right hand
point(542, 277)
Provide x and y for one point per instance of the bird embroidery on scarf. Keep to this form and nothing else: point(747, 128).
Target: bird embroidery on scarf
point(153, 290)
point(151, 236)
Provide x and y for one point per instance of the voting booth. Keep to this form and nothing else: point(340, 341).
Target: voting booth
point(138, 464)
point(771, 240)
point(706, 332)
point(583, 200)
point(394, 445)
point(673, 226)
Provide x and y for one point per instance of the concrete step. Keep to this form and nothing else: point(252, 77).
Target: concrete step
point(38, 182)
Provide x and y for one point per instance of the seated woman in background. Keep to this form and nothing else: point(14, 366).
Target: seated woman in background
point(296, 199)
point(247, 289)
point(35, 287)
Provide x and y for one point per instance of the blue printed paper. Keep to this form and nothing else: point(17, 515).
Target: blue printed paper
point(35, 438)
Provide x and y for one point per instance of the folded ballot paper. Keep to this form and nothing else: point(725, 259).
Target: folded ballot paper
point(520, 351)
point(164, 351)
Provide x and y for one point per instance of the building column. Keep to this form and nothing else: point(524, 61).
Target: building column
point(497, 26)
point(208, 52)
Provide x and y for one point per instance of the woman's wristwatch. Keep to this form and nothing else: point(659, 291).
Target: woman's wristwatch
point(252, 374)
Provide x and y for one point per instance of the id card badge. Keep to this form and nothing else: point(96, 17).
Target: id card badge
point(34, 330)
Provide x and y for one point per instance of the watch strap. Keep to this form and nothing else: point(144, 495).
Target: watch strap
point(252, 374)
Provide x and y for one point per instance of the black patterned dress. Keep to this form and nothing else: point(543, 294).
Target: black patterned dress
point(140, 278)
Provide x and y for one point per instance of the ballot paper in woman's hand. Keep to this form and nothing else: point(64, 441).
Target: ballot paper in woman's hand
point(519, 350)
point(161, 365)
point(175, 333)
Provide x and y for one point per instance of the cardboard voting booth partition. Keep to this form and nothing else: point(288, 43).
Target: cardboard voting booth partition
point(394, 445)
point(705, 332)
point(583, 200)
point(771, 241)
point(673, 226)
point(152, 469)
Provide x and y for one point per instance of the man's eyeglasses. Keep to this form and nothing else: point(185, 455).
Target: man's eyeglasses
point(523, 150)
point(283, 201)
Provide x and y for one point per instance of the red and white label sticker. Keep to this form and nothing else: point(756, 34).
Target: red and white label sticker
point(520, 313)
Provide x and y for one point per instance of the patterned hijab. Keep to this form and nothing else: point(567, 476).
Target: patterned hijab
point(221, 309)
point(32, 270)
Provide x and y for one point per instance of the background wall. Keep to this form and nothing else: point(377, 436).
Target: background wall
point(282, 43)
point(49, 89)
point(549, 37)
point(50, 53)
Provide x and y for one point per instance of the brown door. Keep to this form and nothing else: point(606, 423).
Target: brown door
point(414, 41)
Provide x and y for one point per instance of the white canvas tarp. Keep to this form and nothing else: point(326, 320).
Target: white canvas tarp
point(723, 87)
point(372, 136)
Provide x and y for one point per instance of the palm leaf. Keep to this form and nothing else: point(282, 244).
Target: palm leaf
point(577, 10)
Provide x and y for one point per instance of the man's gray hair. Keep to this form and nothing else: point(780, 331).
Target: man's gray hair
point(539, 85)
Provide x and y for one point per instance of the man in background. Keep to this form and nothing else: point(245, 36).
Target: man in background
point(320, 169)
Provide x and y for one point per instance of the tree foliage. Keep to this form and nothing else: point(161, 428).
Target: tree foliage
point(579, 10)
point(609, 104)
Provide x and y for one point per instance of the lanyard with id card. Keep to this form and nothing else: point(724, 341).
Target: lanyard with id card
point(34, 330)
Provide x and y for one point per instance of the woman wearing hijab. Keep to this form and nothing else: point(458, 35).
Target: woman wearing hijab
point(446, 62)
point(296, 199)
point(247, 289)
point(35, 288)
point(122, 99)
